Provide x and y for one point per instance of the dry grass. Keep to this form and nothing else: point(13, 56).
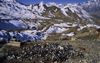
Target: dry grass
point(53, 37)
point(58, 13)
point(72, 29)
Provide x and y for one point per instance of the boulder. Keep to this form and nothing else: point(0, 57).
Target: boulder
point(73, 38)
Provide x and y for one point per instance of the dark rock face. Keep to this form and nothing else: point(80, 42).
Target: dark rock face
point(2, 42)
point(44, 52)
point(2, 57)
point(98, 30)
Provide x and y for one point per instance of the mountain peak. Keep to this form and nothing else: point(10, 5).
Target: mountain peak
point(41, 3)
point(96, 0)
point(9, 0)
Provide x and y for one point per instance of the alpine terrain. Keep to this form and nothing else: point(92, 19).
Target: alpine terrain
point(49, 33)
point(49, 21)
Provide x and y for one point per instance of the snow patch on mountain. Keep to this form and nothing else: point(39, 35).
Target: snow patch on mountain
point(52, 4)
point(4, 35)
point(91, 5)
point(12, 24)
point(12, 9)
point(65, 25)
point(31, 35)
point(50, 14)
point(69, 34)
point(40, 9)
point(28, 35)
point(74, 8)
point(53, 29)
point(88, 25)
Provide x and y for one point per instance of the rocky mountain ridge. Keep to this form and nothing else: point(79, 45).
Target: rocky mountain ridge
point(18, 10)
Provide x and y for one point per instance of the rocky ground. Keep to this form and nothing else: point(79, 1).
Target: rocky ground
point(53, 52)
point(90, 49)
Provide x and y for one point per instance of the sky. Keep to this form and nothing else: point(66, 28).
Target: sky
point(47, 1)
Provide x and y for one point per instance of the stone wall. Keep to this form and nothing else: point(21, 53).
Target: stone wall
point(17, 44)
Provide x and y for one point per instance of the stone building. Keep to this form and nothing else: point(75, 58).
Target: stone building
point(98, 32)
point(14, 42)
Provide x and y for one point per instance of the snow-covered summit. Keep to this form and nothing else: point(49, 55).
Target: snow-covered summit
point(41, 3)
point(52, 4)
point(71, 8)
point(8, 0)
point(96, 0)
point(12, 9)
point(91, 5)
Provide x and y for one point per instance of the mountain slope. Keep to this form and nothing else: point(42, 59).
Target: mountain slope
point(72, 10)
point(13, 9)
point(40, 21)
point(92, 6)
